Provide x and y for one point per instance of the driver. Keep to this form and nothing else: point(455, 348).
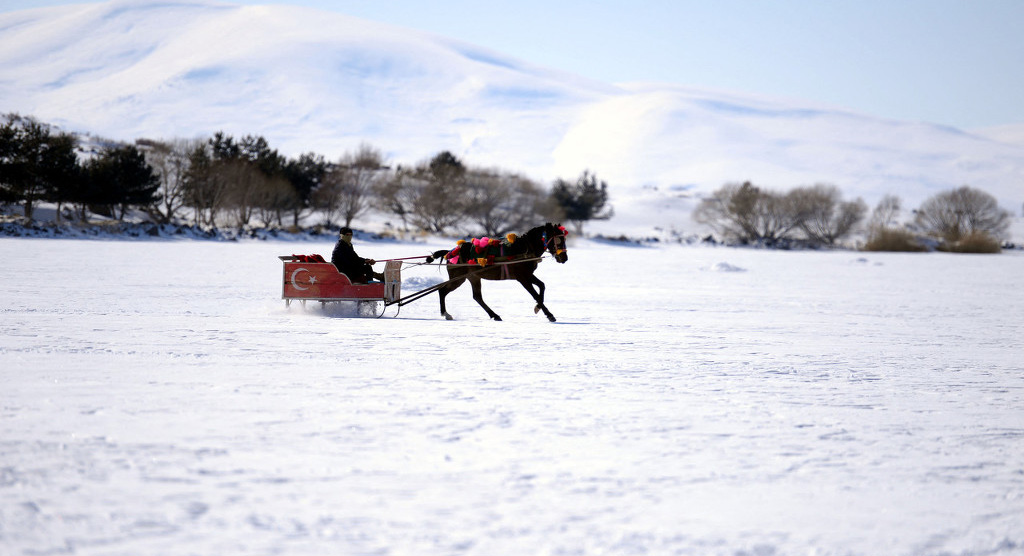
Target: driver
point(344, 257)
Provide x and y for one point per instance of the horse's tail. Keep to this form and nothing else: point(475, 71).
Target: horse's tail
point(436, 255)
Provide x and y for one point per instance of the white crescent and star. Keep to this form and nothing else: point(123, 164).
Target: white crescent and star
point(295, 284)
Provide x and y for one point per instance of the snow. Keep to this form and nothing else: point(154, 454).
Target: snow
point(159, 398)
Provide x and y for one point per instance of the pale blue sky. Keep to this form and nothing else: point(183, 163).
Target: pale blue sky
point(953, 62)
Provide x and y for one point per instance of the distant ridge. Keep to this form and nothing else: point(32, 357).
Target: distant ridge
point(312, 80)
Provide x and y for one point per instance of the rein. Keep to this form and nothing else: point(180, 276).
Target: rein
point(547, 245)
point(441, 262)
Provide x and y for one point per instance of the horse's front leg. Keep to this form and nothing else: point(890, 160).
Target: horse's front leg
point(443, 292)
point(538, 296)
point(540, 289)
point(479, 297)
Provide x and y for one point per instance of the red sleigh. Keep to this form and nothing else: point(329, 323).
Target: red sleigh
point(311, 278)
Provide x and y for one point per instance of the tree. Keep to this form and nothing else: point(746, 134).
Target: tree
point(884, 230)
point(306, 176)
point(499, 202)
point(824, 217)
point(397, 195)
point(205, 189)
point(272, 196)
point(349, 185)
point(886, 213)
point(170, 161)
point(954, 215)
point(121, 178)
point(65, 175)
point(35, 162)
point(438, 193)
point(245, 186)
point(747, 213)
point(583, 201)
point(242, 176)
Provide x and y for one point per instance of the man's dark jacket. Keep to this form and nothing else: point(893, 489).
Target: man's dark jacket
point(348, 262)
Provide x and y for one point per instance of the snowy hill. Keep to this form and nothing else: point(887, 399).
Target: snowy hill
point(311, 80)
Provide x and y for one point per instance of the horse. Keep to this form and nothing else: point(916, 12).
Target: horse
point(528, 249)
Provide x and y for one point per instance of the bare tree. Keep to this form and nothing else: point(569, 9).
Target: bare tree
point(351, 183)
point(748, 213)
point(884, 230)
point(205, 187)
point(729, 210)
point(823, 216)
point(273, 197)
point(438, 193)
point(170, 161)
point(886, 213)
point(245, 185)
point(956, 214)
point(397, 194)
point(499, 202)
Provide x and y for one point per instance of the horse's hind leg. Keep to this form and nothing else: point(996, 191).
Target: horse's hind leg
point(479, 297)
point(537, 295)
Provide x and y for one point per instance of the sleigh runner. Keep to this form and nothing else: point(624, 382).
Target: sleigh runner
point(311, 278)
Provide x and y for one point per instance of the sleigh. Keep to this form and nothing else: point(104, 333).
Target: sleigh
point(311, 278)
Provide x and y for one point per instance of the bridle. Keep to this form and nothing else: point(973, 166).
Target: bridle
point(556, 243)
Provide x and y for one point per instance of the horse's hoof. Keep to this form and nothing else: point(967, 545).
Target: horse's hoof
point(551, 318)
point(536, 309)
point(448, 317)
point(496, 317)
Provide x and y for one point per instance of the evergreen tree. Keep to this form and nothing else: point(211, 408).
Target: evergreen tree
point(583, 201)
point(305, 174)
point(121, 178)
point(35, 162)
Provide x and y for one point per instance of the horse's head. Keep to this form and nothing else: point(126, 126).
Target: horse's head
point(555, 241)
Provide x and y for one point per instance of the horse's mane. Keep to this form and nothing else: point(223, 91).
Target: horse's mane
point(533, 241)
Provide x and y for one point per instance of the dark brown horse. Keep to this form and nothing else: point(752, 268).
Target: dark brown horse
point(520, 262)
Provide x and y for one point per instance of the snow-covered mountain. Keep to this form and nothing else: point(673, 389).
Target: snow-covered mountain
point(311, 80)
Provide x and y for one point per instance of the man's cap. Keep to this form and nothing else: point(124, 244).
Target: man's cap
point(345, 231)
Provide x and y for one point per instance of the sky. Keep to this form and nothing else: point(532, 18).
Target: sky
point(949, 62)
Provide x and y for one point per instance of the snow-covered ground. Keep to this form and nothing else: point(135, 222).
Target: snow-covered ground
point(158, 398)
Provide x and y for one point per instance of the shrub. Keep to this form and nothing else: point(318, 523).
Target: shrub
point(893, 239)
point(975, 242)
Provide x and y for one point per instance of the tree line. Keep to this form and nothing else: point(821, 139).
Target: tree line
point(963, 219)
point(222, 180)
